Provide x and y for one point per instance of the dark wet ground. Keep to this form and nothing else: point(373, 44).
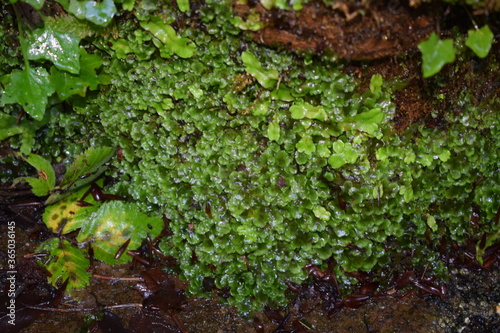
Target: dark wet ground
point(471, 304)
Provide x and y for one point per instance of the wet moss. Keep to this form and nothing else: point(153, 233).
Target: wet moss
point(294, 160)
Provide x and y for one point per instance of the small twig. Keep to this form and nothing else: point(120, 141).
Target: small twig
point(109, 307)
point(27, 204)
point(34, 255)
point(102, 277)
point(172, 315)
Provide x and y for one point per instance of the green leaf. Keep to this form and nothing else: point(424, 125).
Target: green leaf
point(37, 4)
point(66, 262)
point(59, 48)
point(366, 122)
point(46, 180)
point(253, 22)
point(67, 215)
point(283, 94)
point(303, 110)
point(480, 41)
point(88, 75)
point(87, 167)
point(444, 155)
point(336, 161)
point(410, 157)
point(261, 109)
point(344, 153)
point(377, 192)
point(273, 131)
point(489, 241)
point(431, 222)
point(374, 116)
point(172, 43)
point(376, 83)
point(29, 88)
point(67, 84)
point(407, 192)
point(426, 159)
point(435, 54)
point(128, 4)
point(306, 145)
point(266, 77)
point(322, 213)
point(8, 126)
point(323, 149)
point(381, 154)
point(113, 224)
point(183, 5)
point(100, 13)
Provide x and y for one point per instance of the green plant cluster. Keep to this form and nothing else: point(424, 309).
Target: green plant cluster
point(109, 227)
point(45, 63)
point(436, 52)
point(264, 161)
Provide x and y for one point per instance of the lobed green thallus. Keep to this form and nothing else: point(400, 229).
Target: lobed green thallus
point(264, 161)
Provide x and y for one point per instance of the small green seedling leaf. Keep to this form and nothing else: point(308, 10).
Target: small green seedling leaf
point(37, 4)
point(344, 153)
point(59, 48)
point(8, 126)
point(306, 145)
point(261, 109)
point(89, 64)
point(273, 131)
point(100, 13)
point(283, 94)
point(114, 224)
point(482, 246)
point(444, 155)
point(410, 157)
point(322, 213)
point(29, 88)
point(366, 122)
point(46, 180)
point(480, 41)
point(407, 192)
point(172, 44)
point(66, 215)
point(128, 4)
point(435, 54)
point(67, 84)
point(253, 22)
point(266, 77)
point(303, 110)
point(374, 116)
point(183, 5)
point(431, 222)
point(376, 83)
point(66, 262)
point(84, 170)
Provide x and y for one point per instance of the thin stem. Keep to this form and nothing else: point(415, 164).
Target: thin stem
point(102, 277)
point(109, 307)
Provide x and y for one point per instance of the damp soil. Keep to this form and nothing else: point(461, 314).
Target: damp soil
point(113, 301)
point(370, 37)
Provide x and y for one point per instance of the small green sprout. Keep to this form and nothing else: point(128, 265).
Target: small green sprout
point(435, 54)
point(46, 180)
point(171, 43)
point(480, 41)
point(266, 77)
